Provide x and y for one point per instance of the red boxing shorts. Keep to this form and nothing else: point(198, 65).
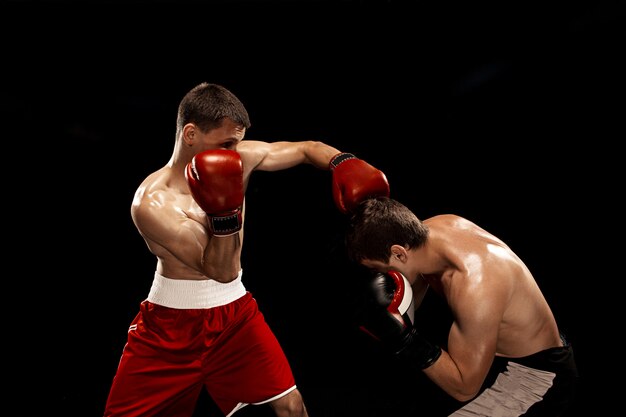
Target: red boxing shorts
point(200, 333)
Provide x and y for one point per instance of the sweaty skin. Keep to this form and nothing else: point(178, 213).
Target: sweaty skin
point(497, 307)
point(175, 228)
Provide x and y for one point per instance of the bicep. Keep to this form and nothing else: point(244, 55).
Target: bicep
point(473, 335)
point(272, 156)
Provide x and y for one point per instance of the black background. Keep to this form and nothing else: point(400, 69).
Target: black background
point(510, 115)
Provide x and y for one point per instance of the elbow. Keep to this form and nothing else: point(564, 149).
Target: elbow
point(464, 394)
point(223, 275)
point(319, 153)
point(225, 278)
point(463, 397)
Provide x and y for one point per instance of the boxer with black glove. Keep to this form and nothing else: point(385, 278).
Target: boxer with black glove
point(389, 319)
point(215, 178)
point(354, 180)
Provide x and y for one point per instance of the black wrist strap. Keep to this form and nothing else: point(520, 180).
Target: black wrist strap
point(417, 351)
point(339, 158)
point(226, 225)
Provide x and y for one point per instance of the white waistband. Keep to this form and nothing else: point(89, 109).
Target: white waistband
point(192, 294)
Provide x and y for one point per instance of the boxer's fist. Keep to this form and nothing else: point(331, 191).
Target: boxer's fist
point(354, 180)
point(215, 178)
point(389, 319)
point(391, 308)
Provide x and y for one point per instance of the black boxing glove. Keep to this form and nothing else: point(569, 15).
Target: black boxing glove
point(389, 317)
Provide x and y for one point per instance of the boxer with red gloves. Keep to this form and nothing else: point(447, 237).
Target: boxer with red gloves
point(389, 319)
point(190, 212)
point(215, 178)
point(354, 180)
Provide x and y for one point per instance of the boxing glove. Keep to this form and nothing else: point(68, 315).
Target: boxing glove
point(354, 180)
point(215, 178)
point(389, 319)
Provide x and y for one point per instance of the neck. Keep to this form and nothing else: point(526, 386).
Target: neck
point(181, 156)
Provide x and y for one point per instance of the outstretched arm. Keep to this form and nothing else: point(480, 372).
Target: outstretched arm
point(274, 156)
point(353, 179)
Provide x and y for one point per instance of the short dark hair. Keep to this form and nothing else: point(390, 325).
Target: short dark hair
point(207, 105)
point(378, 223)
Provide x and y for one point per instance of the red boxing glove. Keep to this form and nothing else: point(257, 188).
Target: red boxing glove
point(354, 180)
point(215, 178)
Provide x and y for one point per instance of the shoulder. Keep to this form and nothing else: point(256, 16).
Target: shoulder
point(253, 152)
point(153, 197)
point(251, 147)
point(462, 229)
point(448, 220)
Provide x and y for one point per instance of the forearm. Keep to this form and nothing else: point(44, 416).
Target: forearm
point(221, 258)
point(415, 350)
point(445, 374)
point(319, 154)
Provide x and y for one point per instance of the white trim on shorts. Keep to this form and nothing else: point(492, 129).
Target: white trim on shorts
point(194, 294)
point(275, 397)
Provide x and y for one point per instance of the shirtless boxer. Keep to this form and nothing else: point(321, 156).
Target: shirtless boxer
point(199, 326)
point(502, 323)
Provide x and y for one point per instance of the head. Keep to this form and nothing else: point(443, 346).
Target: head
point(211, 117)
point(379, 223)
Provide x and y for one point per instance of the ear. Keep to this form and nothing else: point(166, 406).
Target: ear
point(399, 252)
point(189, 134)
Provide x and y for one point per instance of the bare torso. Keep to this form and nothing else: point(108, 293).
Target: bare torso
point(175, 228)
point(489, 289)
point(166, 215)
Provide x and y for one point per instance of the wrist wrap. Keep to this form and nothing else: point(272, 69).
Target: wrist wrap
point(416, 351)
point(339, 158)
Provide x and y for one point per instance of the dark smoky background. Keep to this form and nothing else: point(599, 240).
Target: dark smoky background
point(507, 114)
